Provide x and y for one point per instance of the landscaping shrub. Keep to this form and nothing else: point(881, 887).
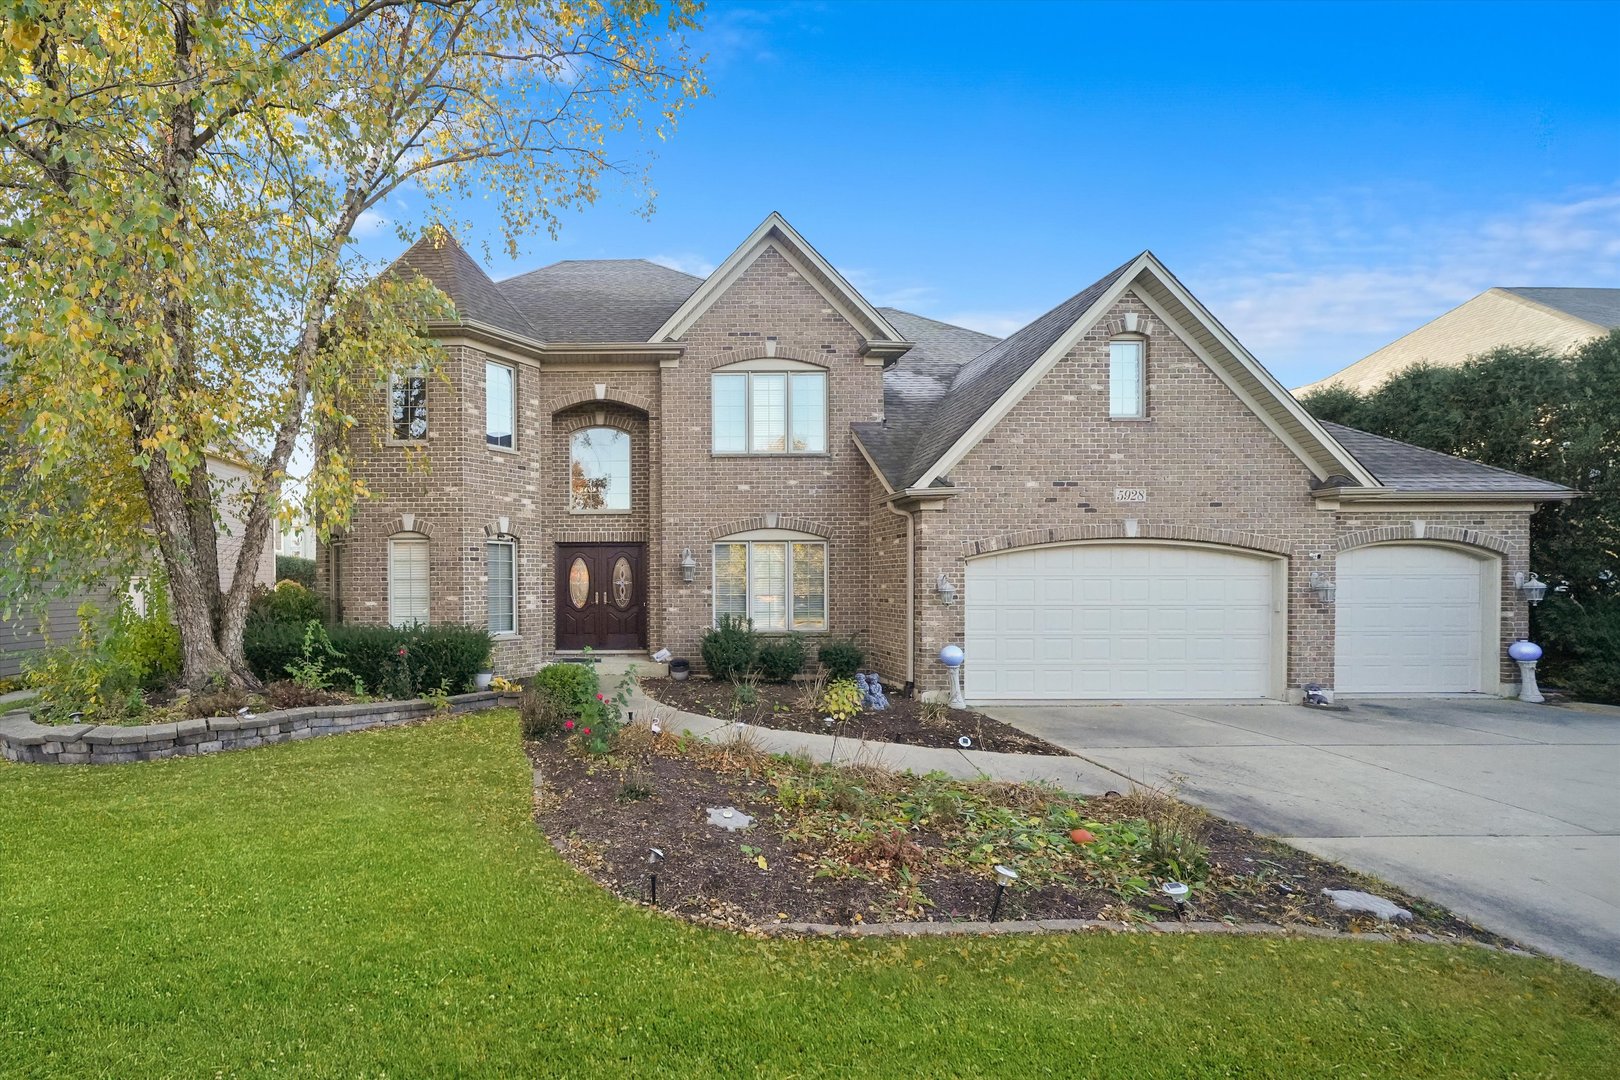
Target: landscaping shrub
point(1582, 642)
point(293, 568)
point(286, 694)
point(731, 649)
point(217, 703)
point(842, 699)
point(390, 661)
point(148, 643)
point(288, 602)
point(87, 677)
point(541, 712)
point(782, 658)
point(842, 658)
point(575, 685)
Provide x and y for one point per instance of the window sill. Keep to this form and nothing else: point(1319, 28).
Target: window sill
point(1130, 419)
point(772, 455)
point(505, 635)
point(500, 449)
point(601, 513)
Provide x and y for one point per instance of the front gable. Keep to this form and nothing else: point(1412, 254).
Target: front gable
point(776, 236)
point(1164, 299)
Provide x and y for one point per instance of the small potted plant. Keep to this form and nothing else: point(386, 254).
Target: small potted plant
point(680, 669)
point(482, 680)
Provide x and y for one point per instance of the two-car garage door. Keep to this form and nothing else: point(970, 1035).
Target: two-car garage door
point(1123, 620)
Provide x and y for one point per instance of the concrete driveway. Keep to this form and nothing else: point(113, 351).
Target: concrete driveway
point(1505, 812)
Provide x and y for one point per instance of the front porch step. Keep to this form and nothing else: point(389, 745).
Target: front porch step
point(613, 666)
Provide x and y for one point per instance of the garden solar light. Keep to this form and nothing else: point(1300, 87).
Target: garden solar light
point(654, 857)
point(1005, 875)
point(1177, 892)
point(964, 742)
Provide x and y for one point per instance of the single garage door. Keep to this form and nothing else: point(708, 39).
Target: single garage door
point(1411, 620)
point(1118, 621)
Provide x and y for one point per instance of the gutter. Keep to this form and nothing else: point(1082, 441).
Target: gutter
point(911, 591)
point(1397, 495)
point(541, 350)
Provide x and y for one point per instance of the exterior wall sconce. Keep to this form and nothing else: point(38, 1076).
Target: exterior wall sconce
point(688, 567)
point(1323, 587)
point(947, 591)
point(1532, 588)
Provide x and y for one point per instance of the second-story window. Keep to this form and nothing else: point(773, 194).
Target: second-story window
point(499, 404)
point(1126, 399)
point(408, 392)
point(599, 471)
point(769, 412)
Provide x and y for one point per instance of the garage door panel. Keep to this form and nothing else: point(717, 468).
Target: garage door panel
point(1410, 620)
point(1119, 621)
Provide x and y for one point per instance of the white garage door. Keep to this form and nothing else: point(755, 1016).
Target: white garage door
point(1118, 621)
point(1410, 620)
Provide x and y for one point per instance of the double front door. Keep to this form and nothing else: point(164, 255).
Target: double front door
point(601, 596)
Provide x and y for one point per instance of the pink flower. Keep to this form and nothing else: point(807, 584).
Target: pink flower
point(587, 731)
point(599, 697)
point(402, 650)
point(568, 725)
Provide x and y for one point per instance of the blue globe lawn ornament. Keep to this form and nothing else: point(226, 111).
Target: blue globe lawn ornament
point(951, 656)
point(1525, 654)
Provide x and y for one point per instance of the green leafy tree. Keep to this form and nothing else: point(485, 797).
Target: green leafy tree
point(180, 185)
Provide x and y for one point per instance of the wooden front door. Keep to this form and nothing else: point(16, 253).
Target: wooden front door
point(601, 596)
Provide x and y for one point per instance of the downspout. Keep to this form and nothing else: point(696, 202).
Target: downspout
point(911, 593)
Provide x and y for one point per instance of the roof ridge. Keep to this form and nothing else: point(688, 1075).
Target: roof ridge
point(937, 322)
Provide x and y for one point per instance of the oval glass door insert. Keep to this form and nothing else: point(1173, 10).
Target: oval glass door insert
point(579, 582)
point(622, 583)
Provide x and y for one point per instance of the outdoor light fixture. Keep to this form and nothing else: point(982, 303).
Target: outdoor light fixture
point(688, 567)
point(1323, 587)
point(947, 591)
point(654, 857)
point(1533, 588)
point(1177, 892)
point(1005, 876)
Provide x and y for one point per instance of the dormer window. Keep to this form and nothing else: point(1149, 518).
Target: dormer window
point(1127, 397)
point(778, 408)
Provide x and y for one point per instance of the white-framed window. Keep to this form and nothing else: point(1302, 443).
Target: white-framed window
point(599, 471)
point(777, 582)
point(1126, 379)
point(407, 580)
point(769, 412)
point(407, 394)
point(500, 403)
point(501, 556)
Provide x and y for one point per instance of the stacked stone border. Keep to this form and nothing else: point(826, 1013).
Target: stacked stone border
point(23, 741)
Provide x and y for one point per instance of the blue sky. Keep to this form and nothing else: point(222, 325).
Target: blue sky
point(1324, 177)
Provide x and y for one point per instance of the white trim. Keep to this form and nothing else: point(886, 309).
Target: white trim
point(1140, 345)
point(788, 538)
point(1026, 382)
point(775, 232)
point(511, 545)
point(1147, 264)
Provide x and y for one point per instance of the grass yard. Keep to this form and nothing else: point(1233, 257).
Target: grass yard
point(381, 904)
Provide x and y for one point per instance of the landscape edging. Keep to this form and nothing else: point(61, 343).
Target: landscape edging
point(25, 742)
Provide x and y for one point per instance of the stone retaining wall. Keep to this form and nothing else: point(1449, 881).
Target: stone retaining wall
point(22, 740)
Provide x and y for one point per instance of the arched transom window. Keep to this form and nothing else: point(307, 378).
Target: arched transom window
point(599, 471)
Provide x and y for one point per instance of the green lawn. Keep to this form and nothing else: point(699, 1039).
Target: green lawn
point(379, 904)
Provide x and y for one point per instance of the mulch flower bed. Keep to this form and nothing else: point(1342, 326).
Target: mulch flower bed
point(859, 845)
point(790, 707)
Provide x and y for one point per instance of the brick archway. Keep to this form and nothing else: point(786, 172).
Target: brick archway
point(771, 521)
point(1116, 530)
point(1407, 531)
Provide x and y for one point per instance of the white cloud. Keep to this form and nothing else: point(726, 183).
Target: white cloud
point(369, 223)
point(686, 262)
point(1320, 285)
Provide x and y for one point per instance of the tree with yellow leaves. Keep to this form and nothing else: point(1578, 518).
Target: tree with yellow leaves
point(180, 184)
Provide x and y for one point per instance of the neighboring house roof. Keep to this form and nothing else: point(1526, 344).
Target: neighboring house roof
point(1552, 318)
point(1404, 467)
point(599, 300)
point(1600, 307)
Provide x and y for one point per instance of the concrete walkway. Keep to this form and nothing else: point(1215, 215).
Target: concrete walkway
point(1505, 812)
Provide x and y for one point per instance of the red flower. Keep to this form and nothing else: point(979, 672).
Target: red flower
point(568, 725)
point(599, 697)
point(402, 650)
point(587, 731)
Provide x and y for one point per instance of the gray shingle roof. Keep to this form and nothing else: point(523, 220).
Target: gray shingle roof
point(925, 429)
point(599, 300)
point(1405, 467)
point(1600, 306)
point(439, 258)
point(925, 373)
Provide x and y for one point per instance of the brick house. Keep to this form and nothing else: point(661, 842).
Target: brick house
point(1116, 501)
